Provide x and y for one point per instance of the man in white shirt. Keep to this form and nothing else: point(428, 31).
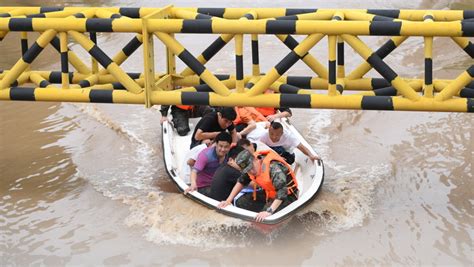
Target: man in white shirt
point(284, 143)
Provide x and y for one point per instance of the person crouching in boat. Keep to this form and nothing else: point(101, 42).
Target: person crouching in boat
point(207, 163)
point(269, 171)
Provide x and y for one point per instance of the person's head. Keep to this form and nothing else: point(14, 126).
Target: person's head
point(246, 144)
point(275, 131)
point(223, 141)
point(233, 152)
point(247, 162)
point(225, 117)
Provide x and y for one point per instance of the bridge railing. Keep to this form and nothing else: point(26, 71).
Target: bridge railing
point(197, 85)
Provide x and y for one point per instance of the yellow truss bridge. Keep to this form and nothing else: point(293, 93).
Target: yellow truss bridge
point(197, 85)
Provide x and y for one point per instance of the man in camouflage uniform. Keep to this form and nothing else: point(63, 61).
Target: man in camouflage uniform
point(280, 176)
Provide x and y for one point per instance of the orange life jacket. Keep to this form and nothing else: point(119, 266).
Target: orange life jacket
point(266, 111)
point(185, 107)
point(264, 180)
point(245, 114)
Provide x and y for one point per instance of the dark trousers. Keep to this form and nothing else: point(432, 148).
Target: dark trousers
point(289, 157)
point(181, 117)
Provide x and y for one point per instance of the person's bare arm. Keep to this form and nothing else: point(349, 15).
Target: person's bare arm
point(237, 188)
point(308, 153)
point(200, 135)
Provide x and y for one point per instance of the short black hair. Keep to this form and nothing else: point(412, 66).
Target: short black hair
point(276, 125)
point(233, 152)
point(228, 113)
point(224, 136)
point(244, 142)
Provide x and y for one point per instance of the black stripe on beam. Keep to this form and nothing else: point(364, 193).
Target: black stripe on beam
point(387, 91)
point(56, 77)
point(202, 16)
point(290, 42)
point(101, 96)
point(287, 18)
point(79, 16)
point(134, 75)
point(192, 62)
point(280, 26)
point(64, 62)
point(377, 103)
point(44, 83)
point(196, 26)
point(5, 15)
point(222, 77)
point(340, 53)
point(428, 71)
point(468, 14)
point(470, 85)
point(131, 12)
point(427, 17)
point(467, 92)
point(56, 44)
point(336, 18)
point(471, 70)
point(216, 12)
point(297, 101)
point(470, 105)
point(213, 49)
point(100, 56)
point(22, 93)
point(115, 16)
point(386, 49)
point(288, 89)
point(379, 83)
point(332, 72)
point(20, 24)
point(469, 49)
point(381, 67)
point(287, 62)
point(299, 81)
point(24, 46)
point(39, 15)
point(99, 25)
point(385, 28)
point(195, 98)
point(84, 83)
point(249, 85)
point(381, 18)
point(467, 29)
point(392, 13)
point(239, 65)
point(296, 11)
point(118, 86)
point(131, 46)
point(93, 37)
point(203, 88)
point(15, 83)
point(340, 88)
point(255, 59)
point(32, 53)
point(249, 16)
point(50, 9)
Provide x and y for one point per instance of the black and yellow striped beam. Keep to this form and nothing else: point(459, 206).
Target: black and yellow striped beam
point(235, 99)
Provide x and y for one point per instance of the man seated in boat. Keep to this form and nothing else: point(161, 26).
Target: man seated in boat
point(269, 171)
point(190, 159)
point(226, 176)
point(214, 123)
point(207, 163)
point(284, 143)
point(181, 115)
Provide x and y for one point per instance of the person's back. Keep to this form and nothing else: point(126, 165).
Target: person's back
point(226, 176)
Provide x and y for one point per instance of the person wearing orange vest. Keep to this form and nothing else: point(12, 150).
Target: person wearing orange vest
point(271, 114)
point(270, 172)
point(181, 115)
